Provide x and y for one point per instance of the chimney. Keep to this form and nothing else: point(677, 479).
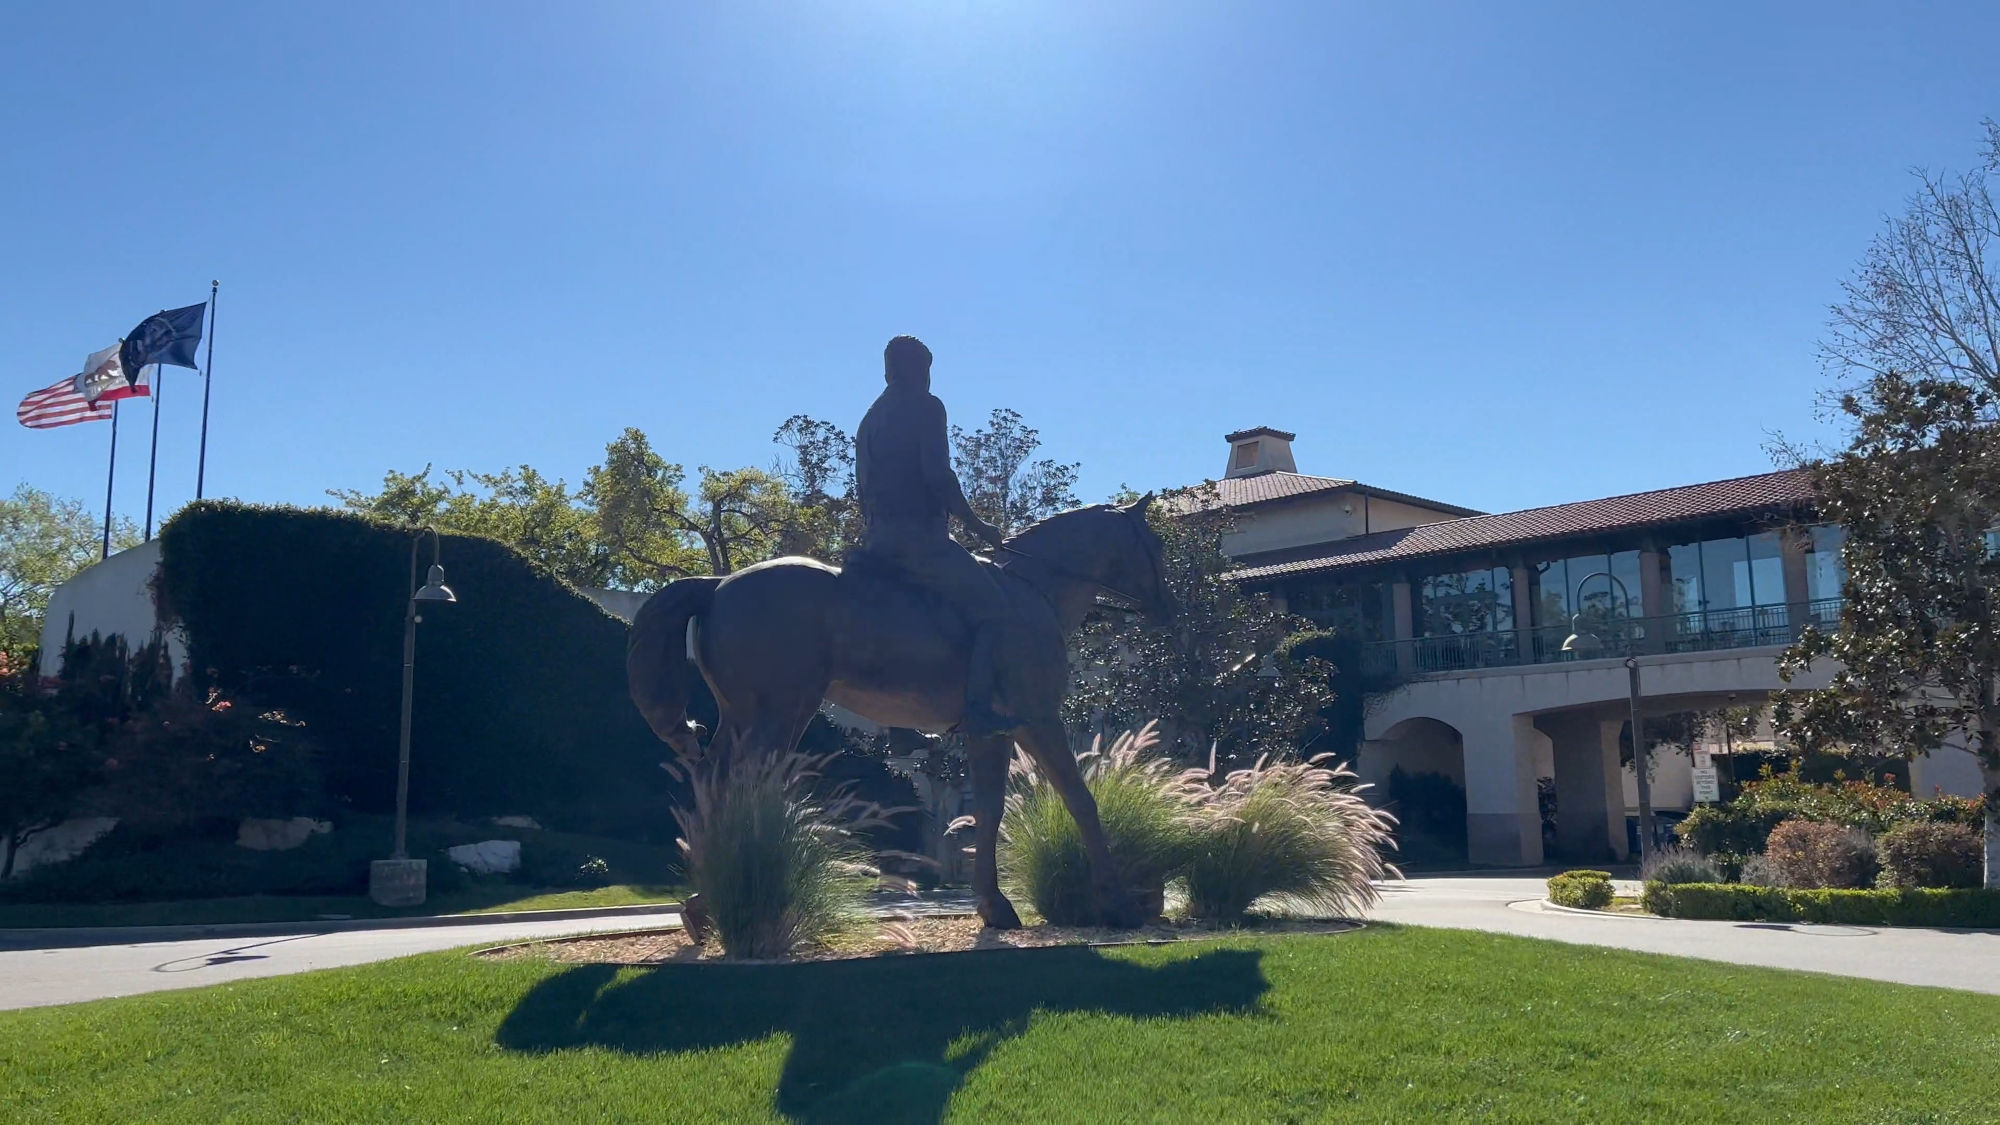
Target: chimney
point(1262, 450)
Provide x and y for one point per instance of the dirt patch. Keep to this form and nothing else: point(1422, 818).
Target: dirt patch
point(893, 937)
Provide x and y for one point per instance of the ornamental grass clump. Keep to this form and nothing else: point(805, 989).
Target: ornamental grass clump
point(775, 864)
point(1141, 804)
point(1294, 833)
point(1679, 865)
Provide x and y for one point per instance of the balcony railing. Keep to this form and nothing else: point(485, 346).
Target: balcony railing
point(1703, 631)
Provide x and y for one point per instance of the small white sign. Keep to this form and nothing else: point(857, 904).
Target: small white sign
point(1707, 785)
point(1703, 759)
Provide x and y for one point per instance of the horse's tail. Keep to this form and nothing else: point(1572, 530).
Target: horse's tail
point(658, 670)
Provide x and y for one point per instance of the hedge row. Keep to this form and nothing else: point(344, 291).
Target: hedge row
point(1973, 909)
point(520, 694)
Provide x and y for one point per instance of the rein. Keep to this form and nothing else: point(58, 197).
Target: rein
point(1132, 602)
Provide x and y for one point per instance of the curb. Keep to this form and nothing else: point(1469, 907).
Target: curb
point(50, 938)
point(1544, 906)
point(1347, 926)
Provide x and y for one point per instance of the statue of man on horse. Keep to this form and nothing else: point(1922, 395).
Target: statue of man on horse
point(915, 632)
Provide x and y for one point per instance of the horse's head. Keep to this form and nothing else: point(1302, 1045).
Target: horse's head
point(1146, 569)
point(1110, 546)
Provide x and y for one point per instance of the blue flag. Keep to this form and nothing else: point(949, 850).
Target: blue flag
point(167, 337)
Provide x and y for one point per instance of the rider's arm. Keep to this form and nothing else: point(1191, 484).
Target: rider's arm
point(943, 483)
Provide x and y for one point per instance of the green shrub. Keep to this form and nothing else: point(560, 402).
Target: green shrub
point(1583, 889)
point(1731, 833)
point(1679, 865)
point(1147, 819)
point(1296, 831)
point(520, 702)
point(1932, 855)
point(1809, 853)
point(776, 865)
point(1972, 909)
point(562, 865)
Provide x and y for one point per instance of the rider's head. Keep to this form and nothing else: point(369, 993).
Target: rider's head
point(907, 360)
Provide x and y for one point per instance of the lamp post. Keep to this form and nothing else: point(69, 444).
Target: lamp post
point(1585, 644)
point(399, 880)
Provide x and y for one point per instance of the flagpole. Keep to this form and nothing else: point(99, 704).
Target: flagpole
point(153, 461)
point(207, 383)
point(110, 474)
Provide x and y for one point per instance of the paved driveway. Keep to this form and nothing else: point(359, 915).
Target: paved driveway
point(1944, 958)
point(30, 977)
point(33, 977)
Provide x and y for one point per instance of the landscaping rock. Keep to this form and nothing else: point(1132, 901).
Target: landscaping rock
point(488, 857)
point(278, 834)
point(516, 822)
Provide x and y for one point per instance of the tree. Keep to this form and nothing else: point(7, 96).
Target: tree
point(820, 479)
point(49, 760)
point(44, 542)
point(520, 507)
point(658, 531)
point(1002, 485)
point(1915, 352)
point(1221, 674)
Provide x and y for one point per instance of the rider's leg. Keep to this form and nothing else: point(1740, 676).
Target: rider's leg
point(983, 716)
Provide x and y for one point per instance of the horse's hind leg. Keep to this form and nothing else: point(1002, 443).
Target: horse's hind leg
point(986, 761)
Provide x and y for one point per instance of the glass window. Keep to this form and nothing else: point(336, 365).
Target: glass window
point(1684, 578)
point(1766, 569)
point(1577, 585)
point(1824, 571)
point(1472, 601)
point(1725, 574)
point(1360, 609)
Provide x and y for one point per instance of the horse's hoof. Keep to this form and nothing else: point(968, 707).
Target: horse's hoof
point(1000, 917)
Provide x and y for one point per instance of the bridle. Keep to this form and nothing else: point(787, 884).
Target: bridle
point(1133, 602)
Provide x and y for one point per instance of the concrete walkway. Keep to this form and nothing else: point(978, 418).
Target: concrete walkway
point(1943, 958)
point(1940, 958)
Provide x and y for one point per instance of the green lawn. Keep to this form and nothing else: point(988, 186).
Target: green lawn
point(1386, 1024)
point(303, 908)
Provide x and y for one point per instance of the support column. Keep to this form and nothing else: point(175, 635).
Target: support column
point(1503, 827)
point(1404, 621)
point(1590, 791)
point(1653, 598)
point(1524, 613)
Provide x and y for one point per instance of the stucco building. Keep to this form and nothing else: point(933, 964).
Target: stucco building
point(1704, 584)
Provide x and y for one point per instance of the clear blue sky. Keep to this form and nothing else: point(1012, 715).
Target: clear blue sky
point(1502, 255)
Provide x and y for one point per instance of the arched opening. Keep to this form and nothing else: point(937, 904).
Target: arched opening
point(1418, 768)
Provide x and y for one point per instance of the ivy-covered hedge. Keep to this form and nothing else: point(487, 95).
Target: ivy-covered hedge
point(1976, 909)
point(520, 700)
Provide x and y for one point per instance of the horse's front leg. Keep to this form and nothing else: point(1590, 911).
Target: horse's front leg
point(1048, 744)
point(986, 762)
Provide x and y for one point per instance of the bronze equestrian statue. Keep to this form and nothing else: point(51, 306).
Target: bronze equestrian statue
point(915, 633)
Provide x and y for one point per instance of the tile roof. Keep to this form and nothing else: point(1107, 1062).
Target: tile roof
point(1264, 487)
point(1238, 491)
point(1741, 495)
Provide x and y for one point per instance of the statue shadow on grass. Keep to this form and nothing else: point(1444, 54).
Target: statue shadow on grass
point(879, 1040)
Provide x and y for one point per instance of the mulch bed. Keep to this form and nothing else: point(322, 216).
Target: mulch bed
point(893, 937)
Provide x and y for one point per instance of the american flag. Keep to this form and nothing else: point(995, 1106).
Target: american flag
point(86, 397)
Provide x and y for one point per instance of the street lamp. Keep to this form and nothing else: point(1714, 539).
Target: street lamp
point(399, 880)
point(1582, 644)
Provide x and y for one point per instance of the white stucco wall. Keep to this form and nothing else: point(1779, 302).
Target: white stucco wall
point(112, 597)
point(622, 604)
point(1394, 515)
